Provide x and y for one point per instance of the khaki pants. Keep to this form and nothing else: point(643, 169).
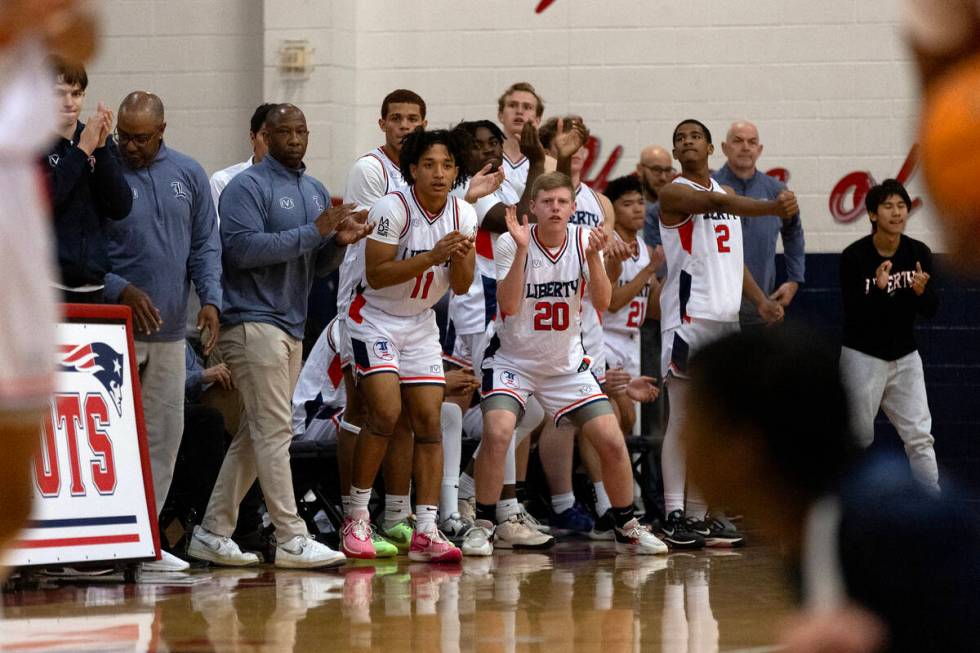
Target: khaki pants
point(265, 363)
point(162, 374)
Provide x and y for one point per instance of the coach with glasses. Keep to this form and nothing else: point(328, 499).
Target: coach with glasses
point(169, 239)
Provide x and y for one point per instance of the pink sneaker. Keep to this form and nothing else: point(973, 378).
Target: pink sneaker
point(355, 538)
point(433, 547)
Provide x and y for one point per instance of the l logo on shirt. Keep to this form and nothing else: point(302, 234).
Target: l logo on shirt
point(53, 160)
point(318, 203)
point(178, 189)
point(286, 202)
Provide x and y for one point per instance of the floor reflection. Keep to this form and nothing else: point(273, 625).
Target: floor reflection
point(579, 597)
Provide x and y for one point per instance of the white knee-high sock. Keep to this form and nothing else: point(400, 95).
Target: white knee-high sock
point(452, 444)
point(672, 454)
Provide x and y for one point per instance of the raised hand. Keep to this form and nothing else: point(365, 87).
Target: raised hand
point(328, 221)
point(787, 205)
point(617, 250)
point(446, 246)
point(881, 274)
point(530, 144)
point(463, 248)
point(919, 279)
point(598, 241)
point(91, 137)
point(353, 228)
point(520, 232)
point(108, 119)
point(569, 139)
point(484, 182)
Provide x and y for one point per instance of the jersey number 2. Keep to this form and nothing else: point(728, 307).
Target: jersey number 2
point(634, 319)
point(722, 236)
point(425, 288)
point(550, 317)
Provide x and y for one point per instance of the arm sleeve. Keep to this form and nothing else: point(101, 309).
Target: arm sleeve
point(794, 252)
point(863, 299)
point(65, 176)
point(504, 252)
point(111, 192)
point(389, 216)
point(366, 183)
point(195, 371)
point(244, 239)
point(114, 285)
point(928, 301)
point(583, 239)
point(204, 262)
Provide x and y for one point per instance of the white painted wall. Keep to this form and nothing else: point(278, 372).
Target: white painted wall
point(829, 83)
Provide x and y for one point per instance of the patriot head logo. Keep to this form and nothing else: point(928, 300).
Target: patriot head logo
point(318, 203)
point(382, 349)
point(510, 379)
point(101, 361)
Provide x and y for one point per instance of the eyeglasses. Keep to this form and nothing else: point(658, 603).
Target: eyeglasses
point(141, 140)
point(657, 170)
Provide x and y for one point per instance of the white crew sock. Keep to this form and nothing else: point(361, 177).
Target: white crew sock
point(562, 502)
point(397, 508)
point(602, 503)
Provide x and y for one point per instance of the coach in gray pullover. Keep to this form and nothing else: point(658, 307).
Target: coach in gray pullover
point(277, 231)
point(169, 238)
point(742, 149)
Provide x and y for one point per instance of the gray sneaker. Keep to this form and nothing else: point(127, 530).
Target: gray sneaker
point(478, 540)
point(219, 550)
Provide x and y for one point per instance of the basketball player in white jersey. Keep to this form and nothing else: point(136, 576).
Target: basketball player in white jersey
point(699, 302)
point(472, 313)
point(519, 105)
point(566, 138)
point(28, 121)
point(422, 246)
point(374, 175)
point(543, 271)
point(629, 306)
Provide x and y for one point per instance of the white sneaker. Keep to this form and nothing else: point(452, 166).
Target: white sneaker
point(303, 552)
point(219, 550)
point(533, 522)
point(478, 541)
point(637, 539)
point(167, 562)
point(516, 533)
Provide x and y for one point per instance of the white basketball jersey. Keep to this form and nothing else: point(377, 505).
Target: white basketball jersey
point(515, 176)
point(704, 266)
point(470, 313)
point(402, 221)
point(628, 319)
point(372, 176)
point(546, 331)
point(588, 213)
point(322, 378)
point(588, 210)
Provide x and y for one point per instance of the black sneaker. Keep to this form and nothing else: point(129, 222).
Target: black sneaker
point(604, 529)
point(678, 534)
point(722, 533)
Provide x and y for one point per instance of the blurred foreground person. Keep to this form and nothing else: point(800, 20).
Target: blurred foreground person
point(28, 120)
point(856, 528)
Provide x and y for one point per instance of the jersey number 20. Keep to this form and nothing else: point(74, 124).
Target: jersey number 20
point(550, 317)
